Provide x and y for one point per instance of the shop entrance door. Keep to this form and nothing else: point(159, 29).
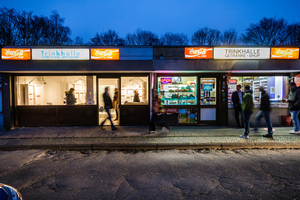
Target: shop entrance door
point(113, 86)
point(208, 100)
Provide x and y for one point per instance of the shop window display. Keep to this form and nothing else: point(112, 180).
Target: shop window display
point(275, 86)
point(208, 91)
point(53, 90)
point(178, 90)
point(134, 91)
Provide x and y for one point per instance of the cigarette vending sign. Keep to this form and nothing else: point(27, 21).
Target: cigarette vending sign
point(285, 53)
point(198, 53)
point(105, 54)
point(15, 54)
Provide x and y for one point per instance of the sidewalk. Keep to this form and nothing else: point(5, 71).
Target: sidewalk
point(180, 137)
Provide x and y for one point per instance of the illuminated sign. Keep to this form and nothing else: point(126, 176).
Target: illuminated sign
point(165, 80)
point(242, 53)
point(207, 87)
point(60, 54)
point(284, 53)
point(15, 54)
point(232, 81)
point(198, 53)
point(105, 54)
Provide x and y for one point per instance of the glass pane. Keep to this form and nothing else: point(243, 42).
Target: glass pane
point(112, 84)
point(178, 90)
point(134, 90)
point(208, 91)
point(275, 86)
point(55, 90)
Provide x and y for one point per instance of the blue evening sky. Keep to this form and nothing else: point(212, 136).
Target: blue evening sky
point(86, 17)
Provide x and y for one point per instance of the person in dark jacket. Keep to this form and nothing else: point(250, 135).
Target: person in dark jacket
point(107, 107)
point(264, 112)
point(247, 108)
point(71, 100)
point(294, 106)
point(236, 99)
point(136, 96)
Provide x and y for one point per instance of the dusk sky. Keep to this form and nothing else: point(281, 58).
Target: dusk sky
point(86, 17)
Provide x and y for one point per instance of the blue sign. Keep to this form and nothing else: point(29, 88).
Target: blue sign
point(207, 87)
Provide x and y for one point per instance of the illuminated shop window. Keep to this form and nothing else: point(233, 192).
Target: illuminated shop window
point(208, 91)
point(134, 91)
point(275, 86)
point(55, 90)
point(177, 90)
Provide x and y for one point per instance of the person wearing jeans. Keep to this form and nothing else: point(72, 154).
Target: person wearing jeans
point(247, 108)
point(264, 112)
point(236, 99)
point(294, 106)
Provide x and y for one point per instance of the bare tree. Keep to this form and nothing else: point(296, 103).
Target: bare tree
point(108, 38)
point(267, 32)
point(293, 31)
point(214, 37)
point(142, 38)
point(78, 41)
point(230, 37)
point(57, 33)
point(172, 39)
point(206, 36)
point(8, 27)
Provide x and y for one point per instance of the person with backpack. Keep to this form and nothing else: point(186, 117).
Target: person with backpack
point(247, 108)
point(264, 112)
point(156, 116)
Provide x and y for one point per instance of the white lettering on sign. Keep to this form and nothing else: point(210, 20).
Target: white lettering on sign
point(198, 52)
point(241, 53)
point(60, 54)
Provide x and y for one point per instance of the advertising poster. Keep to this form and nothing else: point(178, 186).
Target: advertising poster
point(182, 116)
point(207, 87)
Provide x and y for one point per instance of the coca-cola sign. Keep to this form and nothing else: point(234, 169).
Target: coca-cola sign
point(198, 53)
point(285, 53)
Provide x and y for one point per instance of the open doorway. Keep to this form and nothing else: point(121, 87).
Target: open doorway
point(113, 86)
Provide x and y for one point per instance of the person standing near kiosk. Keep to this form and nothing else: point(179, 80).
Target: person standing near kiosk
point(237, 98)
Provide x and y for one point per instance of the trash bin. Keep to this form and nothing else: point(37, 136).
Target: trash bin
point(286, 120)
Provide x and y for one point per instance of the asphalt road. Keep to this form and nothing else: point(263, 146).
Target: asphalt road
point(173, 174)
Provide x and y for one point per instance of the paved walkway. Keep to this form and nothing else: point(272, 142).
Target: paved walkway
point(180, 137)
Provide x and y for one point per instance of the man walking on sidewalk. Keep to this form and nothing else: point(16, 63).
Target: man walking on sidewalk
point(107, 107)
point(237, 98)
point(156, 117)
point(294, 106)
point(264, 112)
point(247, 108)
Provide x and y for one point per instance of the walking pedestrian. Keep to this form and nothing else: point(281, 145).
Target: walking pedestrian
point(247, 109)
point(156, 116)
point(107, 107)
point(116, 103)
point(264, 112)
point(294, 106)
point(237, 99)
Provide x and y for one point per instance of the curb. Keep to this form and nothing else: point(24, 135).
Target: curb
point(148, 146)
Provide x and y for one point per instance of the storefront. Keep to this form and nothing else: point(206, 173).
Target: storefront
point(36, 87)
point(211, 75)
point(195, 83)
